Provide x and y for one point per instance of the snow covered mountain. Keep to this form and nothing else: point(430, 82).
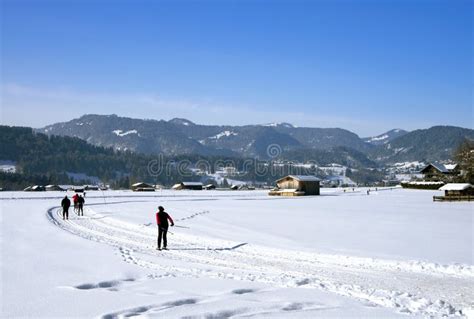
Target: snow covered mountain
point(385, 137)
point(427, 145)
point(181, 136)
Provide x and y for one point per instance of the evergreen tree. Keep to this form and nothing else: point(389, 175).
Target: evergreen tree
point(464, 156)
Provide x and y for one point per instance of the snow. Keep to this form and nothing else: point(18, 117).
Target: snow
point(379, 138)
point(455, 187)
point(339, 180)
point(219, 177)
point(222, 134)
point(425, 183)
point(283, 124)
point(8, 166)
point(271, 124)
point(192, 183)
point(242, 254)
point(407, 165)
point(122, 133)
point(334, 169)
point(450, 167)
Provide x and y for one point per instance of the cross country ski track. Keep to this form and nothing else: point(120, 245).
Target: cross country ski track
point(412, 287)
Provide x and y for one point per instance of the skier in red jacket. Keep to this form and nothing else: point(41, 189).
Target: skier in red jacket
point(162, 218)
point(75, 200)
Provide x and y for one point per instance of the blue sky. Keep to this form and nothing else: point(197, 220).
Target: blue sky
point(367, 66)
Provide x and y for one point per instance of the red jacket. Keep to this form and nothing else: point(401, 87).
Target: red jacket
point(162, 219)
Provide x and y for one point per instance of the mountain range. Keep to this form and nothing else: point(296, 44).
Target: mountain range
point(385, 137)
point(277, 140)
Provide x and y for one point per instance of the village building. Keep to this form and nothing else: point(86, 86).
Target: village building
point(91, 187)
point(440, 172)
point(35, 188)
point(142, 187)
point(456, 192)
point(54, 188)
point(297, 185)
point(188, 185)
point(242, 187)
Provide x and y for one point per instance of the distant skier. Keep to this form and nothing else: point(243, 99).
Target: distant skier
point(80, 206)
point(162, 218)
point(65, 203)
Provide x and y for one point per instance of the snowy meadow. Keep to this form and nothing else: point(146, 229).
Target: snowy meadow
point(393, 253)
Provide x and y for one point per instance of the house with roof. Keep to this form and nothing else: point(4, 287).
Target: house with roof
point(35, 188)
point(440, 172)
point(458, 189)
point(188, 185)
point(456, 192)
point(297, 185)
point(53, 187)
point(143, 187)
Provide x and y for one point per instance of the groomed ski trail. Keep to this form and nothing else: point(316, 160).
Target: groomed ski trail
point(410, 287)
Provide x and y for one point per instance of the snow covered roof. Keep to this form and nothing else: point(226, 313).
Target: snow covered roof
point(450, 166)
point(141, 184)
point(191, 183)
point(455, 187)
point(441, 167)
point(425, 183)
point(302, 178)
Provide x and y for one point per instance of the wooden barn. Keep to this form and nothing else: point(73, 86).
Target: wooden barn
point(456, 192)
point(297, 185)
point(197, 186)
point(142, 187)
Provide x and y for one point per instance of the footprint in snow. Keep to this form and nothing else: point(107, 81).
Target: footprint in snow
point(242, 291)
point(141, 310)
point(111, 284)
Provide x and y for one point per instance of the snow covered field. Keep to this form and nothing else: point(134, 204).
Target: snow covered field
point(393, 253)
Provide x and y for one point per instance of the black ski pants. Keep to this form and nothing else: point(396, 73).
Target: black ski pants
point(162, 231)
point(65, 212)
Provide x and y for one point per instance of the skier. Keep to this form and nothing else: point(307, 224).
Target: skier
point(65, 203)
point(162, 218)
point(75, 200)
point(80, 206)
